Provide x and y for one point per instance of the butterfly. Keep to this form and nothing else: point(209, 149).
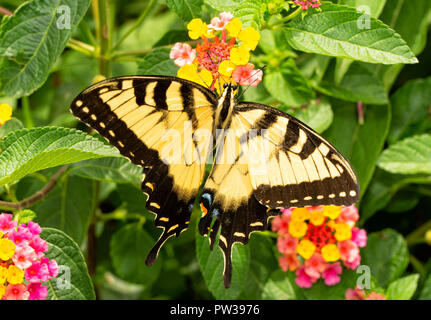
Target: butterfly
point(261, 158)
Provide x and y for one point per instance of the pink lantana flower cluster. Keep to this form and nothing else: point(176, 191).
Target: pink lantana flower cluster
point(221, 55)
point(360, 294)
point(316, 241)
point(305, 5)
point(23, 265)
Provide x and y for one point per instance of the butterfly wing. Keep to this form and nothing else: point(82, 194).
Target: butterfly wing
point(151, 120)
point(227, 200)
point(291, 165)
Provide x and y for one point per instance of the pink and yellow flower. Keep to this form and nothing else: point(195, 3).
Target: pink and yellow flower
point(222, 54)
point(360, 294)
point(316, 241)
point(23, 265)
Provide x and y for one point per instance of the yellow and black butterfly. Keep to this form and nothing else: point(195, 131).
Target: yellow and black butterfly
point(264, 158)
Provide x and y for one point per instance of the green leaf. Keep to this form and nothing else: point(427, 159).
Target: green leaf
point(73, 281)
point(157, 62)
point(403, 288)
point(68, 207)
point(212, 264)
point(262, 263)
point(251, 13)
point(320, 291)
point(426, 291)
point(25, 216)
point(334, 32)
point(11, 125)
point(172, 36)
point(358, 84)
point(32, 39)
point(119, 170)
point(373, 7)
point(45, 148)
point(383, 187)
point(387, 255)
point(410, 107)
point(128, 249)
point(360, 144)
point(186, 9)
point(223, 5)
point(288, 85)
point(318, 115)
point(398, 16)
point(408, 156)
point(279, 287)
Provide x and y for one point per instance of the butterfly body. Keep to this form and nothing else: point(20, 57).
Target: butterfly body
point(264, 159)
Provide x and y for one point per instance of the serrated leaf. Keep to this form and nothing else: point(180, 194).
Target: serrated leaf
point(32, 39)
point(251, 13)
point(288, 85)
point(68, 207)
point(157, 62)
point(387, 255)
point(10, 126)
point(334, 32)
point(410, 105)
point(358, 84)
point(73, 281)
point(119, 170)
point(409, 156)
point(279, 287)
point(129, 247)
point(403, 288)
point(318, 115)
point(29, 150)
point(186, 9)
point(212, 263)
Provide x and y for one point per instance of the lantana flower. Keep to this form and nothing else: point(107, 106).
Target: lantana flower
point(305, 5)
point(5, 113)
point(316, 242)
point(23, 265)
point(360, 294)
point(222, 54)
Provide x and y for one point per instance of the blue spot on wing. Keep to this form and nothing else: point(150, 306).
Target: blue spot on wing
point(214, 212)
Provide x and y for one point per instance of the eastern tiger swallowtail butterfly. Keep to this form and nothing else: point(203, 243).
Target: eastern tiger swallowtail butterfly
point(264, 159)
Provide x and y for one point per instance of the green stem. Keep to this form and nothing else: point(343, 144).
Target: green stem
point(28, 118)
point(417, 265)
point(417, 236)
point(82, 47)
point(141, 18)
point(285, 19)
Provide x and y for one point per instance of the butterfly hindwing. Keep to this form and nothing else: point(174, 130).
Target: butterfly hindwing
point(151, 119)
point(228, 198)
point(290, 164)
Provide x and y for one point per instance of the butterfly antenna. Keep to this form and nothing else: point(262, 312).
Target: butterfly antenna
point(237, 98)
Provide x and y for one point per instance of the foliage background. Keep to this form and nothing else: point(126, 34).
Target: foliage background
point(97, 208)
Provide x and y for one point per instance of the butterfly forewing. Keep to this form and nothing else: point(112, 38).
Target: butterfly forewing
point(151, 119)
